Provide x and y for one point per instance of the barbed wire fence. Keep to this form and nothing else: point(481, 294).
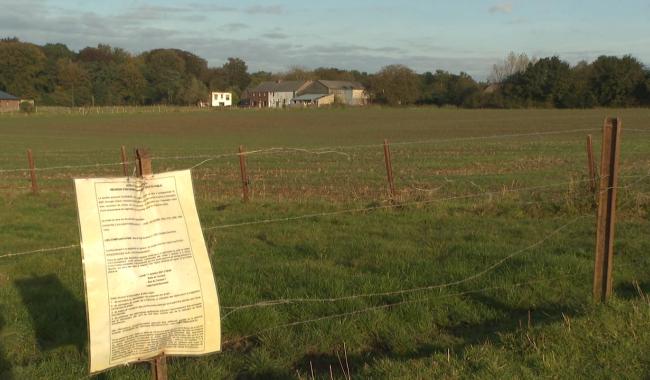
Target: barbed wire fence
point(340, 151)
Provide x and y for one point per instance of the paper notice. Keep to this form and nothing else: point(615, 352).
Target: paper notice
point(149, 283)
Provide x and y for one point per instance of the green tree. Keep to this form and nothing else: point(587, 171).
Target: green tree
point(445, 88)
point(194, 65)
point(261, 76)
point(193, 92)
point(131, 84)
point(165, 73)
point(546, 83)
point(22, 66)
point(332, 73)
point(615, 81)
point(395, 85)
point(236, 73)
point(298, 73)
point(217, 80)
point(73, 84)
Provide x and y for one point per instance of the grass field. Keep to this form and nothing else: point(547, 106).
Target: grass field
point(494, 202)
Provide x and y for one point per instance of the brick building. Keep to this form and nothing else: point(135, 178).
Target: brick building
point(8, 102)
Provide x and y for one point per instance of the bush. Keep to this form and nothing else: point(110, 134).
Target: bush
point(27, 107)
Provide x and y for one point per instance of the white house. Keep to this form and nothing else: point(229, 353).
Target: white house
point(221, 99)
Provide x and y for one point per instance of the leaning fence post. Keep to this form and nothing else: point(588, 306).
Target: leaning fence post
point(590, 165)
point(609, 159)
point(389, 168)
point(143, 163)
point(244, 176)
point(125, 169)
point(32, 171)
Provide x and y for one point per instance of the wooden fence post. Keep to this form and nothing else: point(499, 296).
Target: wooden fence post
point(590, 165)
point(609, 159)
point(32, 171)
point(244, 176)
point(124, 165)
point(159, 363)
point(159, 368)
point(389, 168)
point(144, 162)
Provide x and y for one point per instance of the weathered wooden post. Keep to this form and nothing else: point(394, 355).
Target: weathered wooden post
point(590, 165)
point(244, 176)
point(609, 159)
point(125, 169)
point(32, 171)
point(143, 163)
point(389, 168)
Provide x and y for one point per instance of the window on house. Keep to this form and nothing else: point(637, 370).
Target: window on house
point(228, 97)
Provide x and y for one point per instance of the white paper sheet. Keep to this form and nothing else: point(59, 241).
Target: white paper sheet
point(149, 283)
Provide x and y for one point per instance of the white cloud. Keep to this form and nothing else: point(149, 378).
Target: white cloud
point(501, 8)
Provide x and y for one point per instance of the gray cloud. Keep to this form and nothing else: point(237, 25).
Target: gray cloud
point(501, 8)
point(272, 9)
point(265, 9)
point(233, 27)
point(275, 35)
point(276, 52)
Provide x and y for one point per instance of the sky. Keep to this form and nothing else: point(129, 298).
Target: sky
point(274, 35)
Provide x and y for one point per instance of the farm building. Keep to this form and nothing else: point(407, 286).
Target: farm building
point(276, 94)
point(8, 102)
point(346, 92)
point(221, 99)
point(312, 100)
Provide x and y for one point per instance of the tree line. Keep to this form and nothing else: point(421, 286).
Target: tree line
point(52, 74)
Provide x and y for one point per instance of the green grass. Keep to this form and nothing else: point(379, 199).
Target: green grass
point(462, 212)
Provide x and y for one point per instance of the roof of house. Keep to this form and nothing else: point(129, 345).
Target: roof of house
point(6, 96)
point(282, 86)
point(342, 85)
point(310, 97)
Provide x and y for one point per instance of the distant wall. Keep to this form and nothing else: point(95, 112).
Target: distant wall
point(280, 99)
point(9, 105)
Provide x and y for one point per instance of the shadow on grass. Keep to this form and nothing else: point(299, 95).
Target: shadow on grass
point(632, 290)
point(459, 337)
point(5, 366)
point(58, 318)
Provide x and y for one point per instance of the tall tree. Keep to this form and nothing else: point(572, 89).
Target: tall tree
point(546, 83)
point(511, 65)
point(73, 84)
point(165, 72)
point(396, 85)
point(614, 80)
point(22, 67)
point(236, 73)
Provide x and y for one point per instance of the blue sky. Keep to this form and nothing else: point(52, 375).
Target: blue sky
point(274, 35)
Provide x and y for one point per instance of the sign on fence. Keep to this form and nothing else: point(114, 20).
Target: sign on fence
point(149, 284)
